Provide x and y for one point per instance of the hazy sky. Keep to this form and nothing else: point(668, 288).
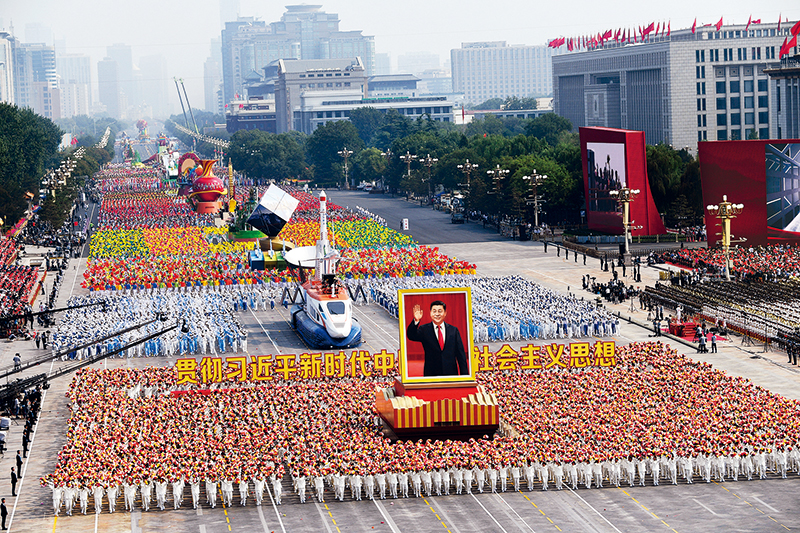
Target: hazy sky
point(182, 29)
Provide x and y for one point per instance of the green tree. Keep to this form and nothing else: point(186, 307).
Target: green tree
point(28, 145)
point(491, 103)
point(267, 156)
point(323, 148)
point(368, 121)
point(513, 103)
point(369, 165)
point(664, 169)
point(548, 127)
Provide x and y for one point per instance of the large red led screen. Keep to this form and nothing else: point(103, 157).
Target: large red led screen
point(613, 159)
point(764, 175)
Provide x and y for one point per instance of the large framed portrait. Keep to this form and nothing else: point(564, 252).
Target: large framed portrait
point(436, 335)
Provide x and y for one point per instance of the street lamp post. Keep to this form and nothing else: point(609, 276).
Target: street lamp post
point(497, 174)
point(388, 155)
point(467, 169)
point(429, 162)
point(345, 153)
point(725, 211)
point(624, 197)
point(534, 180)
point(408, 158)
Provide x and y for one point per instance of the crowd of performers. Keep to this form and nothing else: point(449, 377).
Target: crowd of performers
point(211, 326)
point(770, 262)
point(657, 417)
point(526, 311)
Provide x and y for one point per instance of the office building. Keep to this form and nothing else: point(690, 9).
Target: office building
point(211, 83)
point(298, 79)
point(153, 84)
point(484, 70)
point(679, 89)
point(127, 82)
point(7, 45)
point(252, 114)
point(109, 87)
point(75, 81)
point(786, 76)
point(304, 32)
point(392, 85)
point(35, 79)
point(310, 93)
point(383, 64)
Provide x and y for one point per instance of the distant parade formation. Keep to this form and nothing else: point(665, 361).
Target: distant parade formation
point(579, 416)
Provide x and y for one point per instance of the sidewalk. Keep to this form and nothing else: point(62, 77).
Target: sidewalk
point(48, 435)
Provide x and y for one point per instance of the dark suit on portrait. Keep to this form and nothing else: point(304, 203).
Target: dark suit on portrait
point(450, 361)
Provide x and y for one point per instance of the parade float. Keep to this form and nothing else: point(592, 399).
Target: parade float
point(196, 181)
point(324, 316)
point(436, 394)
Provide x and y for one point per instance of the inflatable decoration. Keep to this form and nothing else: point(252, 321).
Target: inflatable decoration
point(206, 188)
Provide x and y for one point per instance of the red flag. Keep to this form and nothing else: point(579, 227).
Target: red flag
point(783, 48)
point(719, 24)
point(463, 115)
point(796, 28)
point(694, 24)
point(669, 28)
point(779, 22)
point(658, 27)
point(749, 21)
point(607, 35)
point(791, 44)
point(757, 21)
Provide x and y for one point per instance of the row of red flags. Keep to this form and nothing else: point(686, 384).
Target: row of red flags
point(621, 35)
point(787, 45)
point(625, 35)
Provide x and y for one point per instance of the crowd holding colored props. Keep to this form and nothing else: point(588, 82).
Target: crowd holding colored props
point(357, 233)
point(411, 260)
point(116, 273)
point(129, 179)
point(8, 251)
point(161, 242)
point(526, 310)
point(16, 285)
point(212, 327)
point(117, 243)
point(655, 416)
point(154, 209)
point(779, 260)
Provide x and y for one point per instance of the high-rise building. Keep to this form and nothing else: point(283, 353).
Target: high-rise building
point(7, 45)
point(304, 32)
point(313, 92)
point(75, 81)
point(36, 32)
point(383, 64)
point(35, 79)
point(108, 86)
point(211, 76)
point(153, 84)
point(787, 96)
point(484, 70)
point(122, 54)
point(682, 88)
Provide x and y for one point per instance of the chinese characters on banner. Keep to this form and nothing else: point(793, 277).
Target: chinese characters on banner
point(362, 364)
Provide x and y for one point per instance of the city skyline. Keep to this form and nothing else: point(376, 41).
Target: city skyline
point(182, 31)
